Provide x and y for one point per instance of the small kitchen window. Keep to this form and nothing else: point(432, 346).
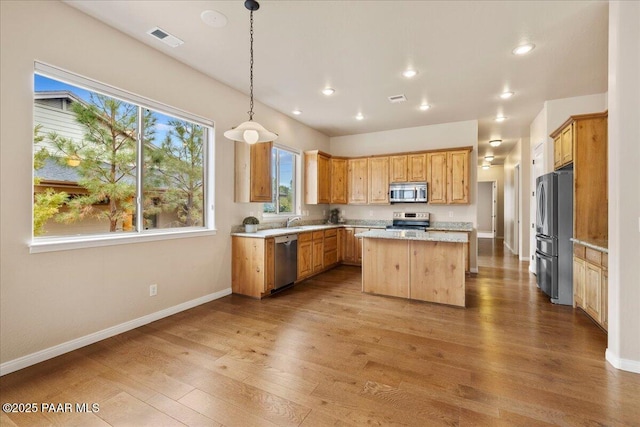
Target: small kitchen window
point(284, 177)
point(111, 167)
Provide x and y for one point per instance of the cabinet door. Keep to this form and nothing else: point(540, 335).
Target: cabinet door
point(417, 167)
point(318, 255)
point(305, 250)
point(339, 181)
point(349, 246)
point(247, 266)
point(578, 282)
point(358, 245)
point(437, 167)
point(340, 244)
point(357, 181)
point(592, 289)
point(260, 190)
point(604, 296)
point(557, 152)
point(386, 271)
point(378, 180)
point(458, 177)
point(269, 264)
point(398, 169)
point(324, 179)
point(567, 145)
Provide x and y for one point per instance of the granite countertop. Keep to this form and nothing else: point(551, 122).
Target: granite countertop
point(597, 244)
point(466, 227)
point(427, 236)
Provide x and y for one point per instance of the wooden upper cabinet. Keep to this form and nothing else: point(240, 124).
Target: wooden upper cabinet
point(458, 177)
point(398, 169)
point(417, 167)
point(557, 152)
point(253, 172)
point(437, 179)
point(567, 145)
point(317, 177)
point(338, 180)
point(378, 180)
point(357, 181)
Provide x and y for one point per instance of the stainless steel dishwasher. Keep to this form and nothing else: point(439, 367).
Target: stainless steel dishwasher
point(286, 260)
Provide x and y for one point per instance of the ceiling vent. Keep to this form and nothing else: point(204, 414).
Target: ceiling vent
point(397, 98)
point(165, 37)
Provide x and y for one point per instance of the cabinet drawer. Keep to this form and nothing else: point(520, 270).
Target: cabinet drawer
point(330, 233)
point(593, 256)
point(304, 237)
point(318, 235)
point(578, 250)
point(330, 243)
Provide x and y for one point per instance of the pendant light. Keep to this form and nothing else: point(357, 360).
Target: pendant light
point(250, 131)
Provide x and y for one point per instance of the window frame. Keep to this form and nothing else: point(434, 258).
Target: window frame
point(296, 191)
point(56, 243)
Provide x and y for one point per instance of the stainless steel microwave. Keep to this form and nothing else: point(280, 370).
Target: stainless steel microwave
point(411, 192)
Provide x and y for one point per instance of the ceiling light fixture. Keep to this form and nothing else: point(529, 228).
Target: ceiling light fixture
point(297, 112)
point(500, 119)
point(409, 73)
point(328, 91)
point(506, 95)
point(523, 49)
point(489, 158)
point(213, 18)
point(485, 167)
point(425, 107)
point(359, 116)
point(250, 131)
point(495, 142)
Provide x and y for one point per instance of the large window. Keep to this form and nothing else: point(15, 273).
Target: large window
point(107, 162)
point(283, 181)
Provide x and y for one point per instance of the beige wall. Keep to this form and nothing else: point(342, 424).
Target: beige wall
point(519, 156)
point(496, 173)
point(50, 298)
point(623, 349)
point(447, 135)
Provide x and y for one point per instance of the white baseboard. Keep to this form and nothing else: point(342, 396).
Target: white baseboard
point(51, 352)
point(622, 364)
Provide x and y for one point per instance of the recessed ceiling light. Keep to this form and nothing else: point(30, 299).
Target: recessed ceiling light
point(506, 95)
point(425, 107)
point(359, 116)
point(500, 119)
point(495, 142)
point(489, 158)
point(297, 112)
point(328, 91)
point(409, 73)
point(485, 167)
point(523, 49)
point(213, 18)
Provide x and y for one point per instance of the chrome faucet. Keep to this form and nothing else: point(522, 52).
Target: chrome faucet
point(290, 220)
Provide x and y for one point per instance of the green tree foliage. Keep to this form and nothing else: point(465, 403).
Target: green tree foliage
point(174, 173)
point(46, 204)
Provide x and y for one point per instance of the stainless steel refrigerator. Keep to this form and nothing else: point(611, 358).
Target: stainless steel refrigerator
point(554, 228)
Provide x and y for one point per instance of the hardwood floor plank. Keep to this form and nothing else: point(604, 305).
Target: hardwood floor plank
point(124, 409)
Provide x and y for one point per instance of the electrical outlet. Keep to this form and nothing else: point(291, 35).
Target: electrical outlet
point(153, 290)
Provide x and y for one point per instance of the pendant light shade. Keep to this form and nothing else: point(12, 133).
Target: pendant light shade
point(250, 131)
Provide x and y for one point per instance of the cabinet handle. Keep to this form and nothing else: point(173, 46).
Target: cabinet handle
point(258, 269)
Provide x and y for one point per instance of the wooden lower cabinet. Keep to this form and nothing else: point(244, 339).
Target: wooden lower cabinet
point(318, 251)
point(305, 255)
point(590, 283)
point(330, 248)
point(349, 246)
point(252, 266)
point(358, 245)
point(387, 269)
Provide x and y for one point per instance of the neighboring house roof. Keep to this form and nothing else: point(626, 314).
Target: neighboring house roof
point(58, 94)
point(54, 171)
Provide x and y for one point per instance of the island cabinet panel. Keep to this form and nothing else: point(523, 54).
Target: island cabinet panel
point(338, 180)
point(317, 174)
point(398, 169)
point(378, 180)
point(252, 266)
point(437, 177)
point(437, 272)
point(417, 167)
point(387, 269)
point(253, 172)
point(357, 186)
point(305, 254)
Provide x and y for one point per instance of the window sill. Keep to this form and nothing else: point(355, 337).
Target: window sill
point(54, 244)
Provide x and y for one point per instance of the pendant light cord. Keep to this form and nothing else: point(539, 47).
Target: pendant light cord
point(251, 68)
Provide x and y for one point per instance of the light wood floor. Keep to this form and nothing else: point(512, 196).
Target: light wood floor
point(325, 354)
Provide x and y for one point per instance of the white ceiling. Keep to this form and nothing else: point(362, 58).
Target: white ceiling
point(461, 49)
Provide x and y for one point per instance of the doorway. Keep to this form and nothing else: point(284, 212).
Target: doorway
point(487, 209)
point(516, 211)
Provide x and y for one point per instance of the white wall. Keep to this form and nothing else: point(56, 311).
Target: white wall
point(623, 350)
point(485, 206)
point(447, 135)
point(496, 173)
point(50, 298)
point(519, 156)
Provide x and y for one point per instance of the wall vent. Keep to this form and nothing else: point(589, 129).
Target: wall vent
point(165, 37)
point(397, 98)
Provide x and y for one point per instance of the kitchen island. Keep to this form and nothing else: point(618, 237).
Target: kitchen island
point(421, 265)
